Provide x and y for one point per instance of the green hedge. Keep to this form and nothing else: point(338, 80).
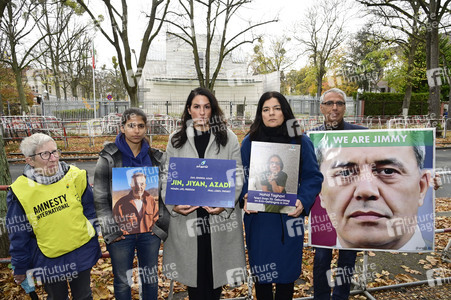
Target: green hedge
point(75, 114)
point(383, 104)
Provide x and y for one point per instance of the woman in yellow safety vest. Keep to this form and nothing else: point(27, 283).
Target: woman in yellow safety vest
point(49, 222)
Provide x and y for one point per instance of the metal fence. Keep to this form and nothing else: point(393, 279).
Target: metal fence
point(71, 107)
point(22, 126)
point(306, 105)
point(301, 105)
point(17, 127)
point(172, 108)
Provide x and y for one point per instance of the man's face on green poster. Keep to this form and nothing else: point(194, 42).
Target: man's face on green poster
point(366, 188)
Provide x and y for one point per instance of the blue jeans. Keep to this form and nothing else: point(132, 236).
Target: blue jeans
point(321, 264)
point(122, 254)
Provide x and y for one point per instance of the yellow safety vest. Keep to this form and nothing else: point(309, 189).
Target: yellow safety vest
point(55, 212)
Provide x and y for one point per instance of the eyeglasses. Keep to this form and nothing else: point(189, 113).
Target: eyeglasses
point(332, 103)
point(133, 125)
point(46, 154)
point(276, 163)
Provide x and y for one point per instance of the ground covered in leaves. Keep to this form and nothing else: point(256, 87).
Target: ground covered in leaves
point(389, 267)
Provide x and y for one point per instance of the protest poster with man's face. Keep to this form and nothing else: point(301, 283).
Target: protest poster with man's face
point(376, 192)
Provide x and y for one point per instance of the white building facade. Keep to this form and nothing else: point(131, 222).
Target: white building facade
point(169, 76)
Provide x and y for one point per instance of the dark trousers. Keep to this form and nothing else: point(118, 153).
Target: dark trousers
point(80, 287)
point(321, 264)
point(284, 291)
point(204, 289)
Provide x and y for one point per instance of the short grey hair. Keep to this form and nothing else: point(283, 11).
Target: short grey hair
point(333, 90)
point(29, 144)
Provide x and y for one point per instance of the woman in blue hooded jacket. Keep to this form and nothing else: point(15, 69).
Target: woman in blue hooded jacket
point(274, 240)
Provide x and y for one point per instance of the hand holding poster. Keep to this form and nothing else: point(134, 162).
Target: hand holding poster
point(135, 198)
point(273, 177)
point(201, 182)
point(376, 192)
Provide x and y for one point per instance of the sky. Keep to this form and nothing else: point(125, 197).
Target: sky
point(288, 12)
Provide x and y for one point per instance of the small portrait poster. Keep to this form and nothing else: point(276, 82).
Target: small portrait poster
point(273, 177)
point(135, 198)
point(377, 191)
point(201, 182)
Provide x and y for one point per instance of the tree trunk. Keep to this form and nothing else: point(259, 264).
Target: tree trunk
point(407, 97)
point(1, 106)
point(319, 82)
point(410, 60)
point(20, 89)
point(434, 90)
point(57, 88)
point(5, 179)
point(73, 88)
point(133, 93)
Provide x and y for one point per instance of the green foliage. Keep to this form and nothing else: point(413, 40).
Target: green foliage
point(445, 53)
point(301, 82)
point(9, 93)
point(397, 76)
point(76, 114)
point(261, 64)
point(74, 6)
point(271, 57)
point(369, 54)
point(383, 104)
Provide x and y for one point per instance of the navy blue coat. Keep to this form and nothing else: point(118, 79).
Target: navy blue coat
point(275, 241)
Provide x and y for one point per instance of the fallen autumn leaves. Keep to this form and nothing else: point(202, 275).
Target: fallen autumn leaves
point(392, 268)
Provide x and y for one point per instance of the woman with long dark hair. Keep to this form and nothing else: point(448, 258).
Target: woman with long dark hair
point(270, 237)
point(202, 260)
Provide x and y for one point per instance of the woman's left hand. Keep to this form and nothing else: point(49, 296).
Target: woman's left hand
point(299, 208)
point(213, 210)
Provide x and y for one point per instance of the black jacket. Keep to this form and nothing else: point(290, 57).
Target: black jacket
point(110, 157)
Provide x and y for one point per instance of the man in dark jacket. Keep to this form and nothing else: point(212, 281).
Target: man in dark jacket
point(333, 107)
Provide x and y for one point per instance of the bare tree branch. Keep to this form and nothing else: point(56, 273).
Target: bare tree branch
point(120, 39)
point(217, 44)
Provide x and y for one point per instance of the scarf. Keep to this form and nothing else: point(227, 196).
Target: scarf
point(273, 134)
point(128, 158)
point(31, 173)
